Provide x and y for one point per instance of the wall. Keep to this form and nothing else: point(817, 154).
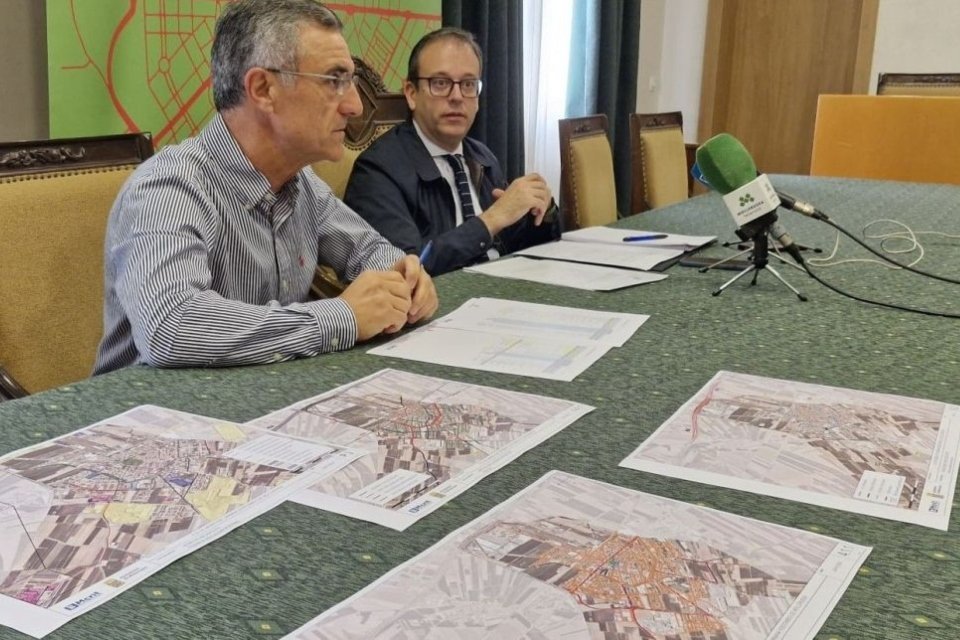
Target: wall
point(918, 36)
point(671, 59)
point(23, 72)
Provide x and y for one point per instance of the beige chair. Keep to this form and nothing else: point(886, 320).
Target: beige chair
point(661, 160)
point(587, 183)
point(55, 197)
point(382, 110)
point(908, 138)
point(918, 84)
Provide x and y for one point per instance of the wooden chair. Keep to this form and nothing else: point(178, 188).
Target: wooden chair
point(382, 110)
point(908, 138)
point(55, 197)
point(587, 184)
point(918, 84)
point(661, 160)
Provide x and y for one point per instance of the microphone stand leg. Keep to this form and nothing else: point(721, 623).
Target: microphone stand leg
point(802, 297)
point(723, 260)
point(729, 282)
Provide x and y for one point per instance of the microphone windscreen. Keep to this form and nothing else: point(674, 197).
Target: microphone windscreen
point(725, 163)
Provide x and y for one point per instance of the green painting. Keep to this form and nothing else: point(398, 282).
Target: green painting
point(144, 65)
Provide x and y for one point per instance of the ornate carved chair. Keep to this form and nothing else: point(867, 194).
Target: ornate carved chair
point(382, 110)
point(55, 196)
point(587, 184)
point(661, 160)
point(918, 84)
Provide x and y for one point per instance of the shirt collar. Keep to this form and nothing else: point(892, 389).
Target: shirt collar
point(251, 186)
point(433, 149)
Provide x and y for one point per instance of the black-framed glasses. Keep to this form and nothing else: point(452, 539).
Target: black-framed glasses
point(340, 83)
point(441, 87)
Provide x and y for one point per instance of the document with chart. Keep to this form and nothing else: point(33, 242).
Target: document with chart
point(579, 559)
point(543, 321)
point(590, 277)
point(521, 338)
point(871, 453)
point(427, 440)
point(90, 514)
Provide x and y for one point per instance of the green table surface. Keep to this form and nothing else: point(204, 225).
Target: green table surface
point(909, 587)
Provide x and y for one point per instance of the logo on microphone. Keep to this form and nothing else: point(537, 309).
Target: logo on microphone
point(746, 199)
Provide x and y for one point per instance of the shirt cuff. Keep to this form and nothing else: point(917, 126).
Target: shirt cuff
point(337, 324)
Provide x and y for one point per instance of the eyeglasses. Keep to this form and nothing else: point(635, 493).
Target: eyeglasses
point(340, 83)
point(441, 87)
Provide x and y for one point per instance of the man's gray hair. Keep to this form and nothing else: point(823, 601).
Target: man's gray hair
point(260, 33)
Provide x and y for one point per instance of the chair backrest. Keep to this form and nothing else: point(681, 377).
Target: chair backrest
point(909, 138)
point(659, 159)
point(55, 198)
point(918, 84)
point(381, 111)
point(587, 183)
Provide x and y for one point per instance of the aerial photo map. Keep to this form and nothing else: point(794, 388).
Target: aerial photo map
point(427, 439)
point(91, 513)
point(570, 558)
point(871, 453)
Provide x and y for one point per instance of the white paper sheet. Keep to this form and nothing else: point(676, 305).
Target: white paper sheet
point(427, 440)
point(870, 453)
point(590, 277)
point(520, 356)
point(609, 235)
point(543, 321)
point(151, 470)
point(574, 558)
point(643, 258)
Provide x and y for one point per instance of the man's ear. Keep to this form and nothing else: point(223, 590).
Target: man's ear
point(260, 86)
point(410, 92)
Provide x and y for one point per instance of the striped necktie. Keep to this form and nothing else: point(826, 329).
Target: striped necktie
point(463, 186)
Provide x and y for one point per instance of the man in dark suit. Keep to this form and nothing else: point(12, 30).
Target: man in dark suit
point(433, 191)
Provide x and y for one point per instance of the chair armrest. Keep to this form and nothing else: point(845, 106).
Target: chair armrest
point(9, 388)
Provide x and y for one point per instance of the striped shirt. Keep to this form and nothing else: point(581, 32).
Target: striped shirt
point(206, 266)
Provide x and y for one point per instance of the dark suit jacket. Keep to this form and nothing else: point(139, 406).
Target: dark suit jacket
point(397, 187)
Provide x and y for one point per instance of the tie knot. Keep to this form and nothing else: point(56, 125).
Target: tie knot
point(454, 161)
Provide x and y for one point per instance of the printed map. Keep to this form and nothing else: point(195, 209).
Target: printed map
point(575, 558)
point(872, 453)
point(78, 511)
point(428, 439)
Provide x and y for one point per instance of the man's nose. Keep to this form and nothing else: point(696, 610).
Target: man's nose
point(351, 105)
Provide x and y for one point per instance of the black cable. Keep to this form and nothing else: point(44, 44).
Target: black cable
point(888, 305)
point(884, 257)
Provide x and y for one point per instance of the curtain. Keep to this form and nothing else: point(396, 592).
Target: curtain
point(546, 36)
point(604, 58)
point(498, 27)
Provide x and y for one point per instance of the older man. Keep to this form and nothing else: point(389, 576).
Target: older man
point(425, 183)
point(212, 243)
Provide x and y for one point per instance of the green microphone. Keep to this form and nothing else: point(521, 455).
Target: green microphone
point(725, 163)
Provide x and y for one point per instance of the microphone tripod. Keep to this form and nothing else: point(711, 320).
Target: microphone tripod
point(759, 262)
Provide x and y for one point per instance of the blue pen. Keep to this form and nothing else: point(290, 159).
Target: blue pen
point(426, 252)
point(649, 236)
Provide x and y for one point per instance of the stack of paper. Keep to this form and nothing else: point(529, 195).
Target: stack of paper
point(522, 338)
point(591, 277)
point(609, 235)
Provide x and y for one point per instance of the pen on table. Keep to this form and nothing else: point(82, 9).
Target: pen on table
point(649, 236)
point(426, 252)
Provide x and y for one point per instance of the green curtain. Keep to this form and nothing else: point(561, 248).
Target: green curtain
point(498, 27)
point(604, 56)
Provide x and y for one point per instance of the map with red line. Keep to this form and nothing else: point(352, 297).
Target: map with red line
point(574, 558)
point(427, 439)
point(144, 65)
